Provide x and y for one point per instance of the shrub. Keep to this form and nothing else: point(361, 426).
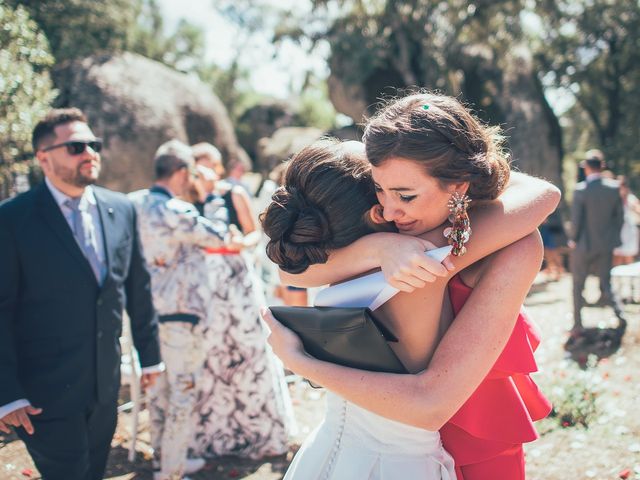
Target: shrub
point(574, 393)
point(25, 92)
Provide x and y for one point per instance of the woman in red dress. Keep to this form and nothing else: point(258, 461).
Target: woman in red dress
point(486, 434)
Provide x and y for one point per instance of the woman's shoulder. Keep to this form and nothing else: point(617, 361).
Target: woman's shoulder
point(527, 251)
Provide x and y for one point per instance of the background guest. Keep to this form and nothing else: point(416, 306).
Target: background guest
point(554, 240)
point(596, 220)
point(236, 169)
point(201, 190)
point(243, 405)
point(237, 201)
point(209, 156)
point(174, 237)
point(629, 235)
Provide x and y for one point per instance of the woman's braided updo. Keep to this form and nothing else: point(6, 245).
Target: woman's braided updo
point(322, 205)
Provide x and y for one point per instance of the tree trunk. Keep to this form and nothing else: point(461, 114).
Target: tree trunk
point(506, 93)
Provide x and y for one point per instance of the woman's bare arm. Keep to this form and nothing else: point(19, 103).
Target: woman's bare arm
point(523, 206)
point(246, 218)
point(242, 204)
point(462, 359)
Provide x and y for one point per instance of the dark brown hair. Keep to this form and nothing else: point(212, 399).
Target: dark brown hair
point(595, 159)
point(44, 129)
point(438, 132)
point(170, 157)
point(322, 205)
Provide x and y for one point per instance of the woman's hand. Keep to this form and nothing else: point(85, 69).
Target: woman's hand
point(285, 344)
point(234, 240)
point(405, 265)
point(401, 258)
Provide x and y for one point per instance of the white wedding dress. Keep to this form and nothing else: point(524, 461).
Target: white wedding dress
point(352, 443)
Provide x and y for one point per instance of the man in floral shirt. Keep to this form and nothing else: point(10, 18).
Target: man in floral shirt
point(174, 237)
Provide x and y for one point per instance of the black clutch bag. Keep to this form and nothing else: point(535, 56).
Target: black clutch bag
point(345, 336)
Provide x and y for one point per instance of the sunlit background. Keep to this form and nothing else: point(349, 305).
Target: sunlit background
point(260, 79)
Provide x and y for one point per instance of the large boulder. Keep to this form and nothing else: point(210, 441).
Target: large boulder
point(348, 132)
point(283, 144)
point(135, 104)
point(261, 120)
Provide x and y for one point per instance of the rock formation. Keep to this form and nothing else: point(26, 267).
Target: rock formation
point(136, 104)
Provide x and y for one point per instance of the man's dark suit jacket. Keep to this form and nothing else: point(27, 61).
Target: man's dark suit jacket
point(59, 329)
point(597, 216)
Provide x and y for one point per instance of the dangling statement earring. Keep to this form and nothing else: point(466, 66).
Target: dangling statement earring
point(460, 230)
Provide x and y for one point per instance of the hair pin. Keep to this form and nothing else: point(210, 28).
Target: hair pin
point(425, 106)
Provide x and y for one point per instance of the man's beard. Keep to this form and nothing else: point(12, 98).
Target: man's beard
point(75, 177)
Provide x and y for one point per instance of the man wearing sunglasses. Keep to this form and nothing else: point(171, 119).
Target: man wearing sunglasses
point(71, 263)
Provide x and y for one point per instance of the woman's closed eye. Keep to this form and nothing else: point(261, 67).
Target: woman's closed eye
point(403, 198)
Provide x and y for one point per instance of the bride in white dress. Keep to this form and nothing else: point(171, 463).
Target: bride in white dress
point(354, 444)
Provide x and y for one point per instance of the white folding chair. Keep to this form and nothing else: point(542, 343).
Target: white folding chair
point(131, 373)
point(626, 281)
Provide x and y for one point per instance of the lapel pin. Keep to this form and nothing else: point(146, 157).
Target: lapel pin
point(110, 211)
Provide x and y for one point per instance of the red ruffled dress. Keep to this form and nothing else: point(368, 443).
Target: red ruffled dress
point(486, 434)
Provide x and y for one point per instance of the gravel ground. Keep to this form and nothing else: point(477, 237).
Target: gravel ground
point(608, 448)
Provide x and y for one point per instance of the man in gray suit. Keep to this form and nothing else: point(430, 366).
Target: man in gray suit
point(596, 220)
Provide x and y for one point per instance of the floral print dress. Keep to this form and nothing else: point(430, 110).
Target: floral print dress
point(243, 403)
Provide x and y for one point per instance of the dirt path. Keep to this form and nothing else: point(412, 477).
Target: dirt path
point(606, 394)
point(610, 447)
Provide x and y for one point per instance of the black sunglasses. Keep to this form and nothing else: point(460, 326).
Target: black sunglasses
point(76, 147)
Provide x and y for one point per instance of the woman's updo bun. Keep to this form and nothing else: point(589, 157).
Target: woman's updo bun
point(327, 189)
point(298, 231)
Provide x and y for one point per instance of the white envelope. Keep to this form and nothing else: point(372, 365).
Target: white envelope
point(368, 291)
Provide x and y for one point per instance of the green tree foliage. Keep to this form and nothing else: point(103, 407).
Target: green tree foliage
point(232, 85)
point(184, 49)
point(78, 28)
point(314, 108)
point(592, 48)
point(587, 48)
point(405, 43)
point(25, 91)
